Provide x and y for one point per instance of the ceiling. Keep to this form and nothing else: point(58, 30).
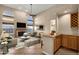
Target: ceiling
point(36, 8)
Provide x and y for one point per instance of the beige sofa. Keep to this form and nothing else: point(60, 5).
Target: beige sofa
point(32, 41)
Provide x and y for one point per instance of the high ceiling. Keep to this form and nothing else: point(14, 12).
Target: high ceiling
point(36, 8)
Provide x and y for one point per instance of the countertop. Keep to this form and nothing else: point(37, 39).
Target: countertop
point(48, 35)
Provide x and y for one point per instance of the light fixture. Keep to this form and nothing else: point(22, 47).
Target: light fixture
point(19, 8)
point(31, 8)
point(31, 13)
point(26, 10)
point(66, 11)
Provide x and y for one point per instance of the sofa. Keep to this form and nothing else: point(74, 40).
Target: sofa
point(30, 39)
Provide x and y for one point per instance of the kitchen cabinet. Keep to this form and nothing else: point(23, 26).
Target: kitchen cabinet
point(51, 44)
point(69, 41)
point(57, 42)
point(78, 43)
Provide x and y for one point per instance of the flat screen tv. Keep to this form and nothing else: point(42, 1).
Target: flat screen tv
point(41, 27)
point(21, 25)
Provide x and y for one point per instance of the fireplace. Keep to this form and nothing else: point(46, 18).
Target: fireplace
point(19, 32)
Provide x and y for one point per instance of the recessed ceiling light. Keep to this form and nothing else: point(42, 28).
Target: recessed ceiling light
point(19, 8)
point(26, 10)
point(66, 11)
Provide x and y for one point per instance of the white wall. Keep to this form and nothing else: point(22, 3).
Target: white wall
point(44, 17)
point(19, 16)
point(78, 21)
point(42, 20)
point(64, 25)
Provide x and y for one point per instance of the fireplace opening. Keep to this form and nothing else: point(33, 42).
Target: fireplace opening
point(20, 33)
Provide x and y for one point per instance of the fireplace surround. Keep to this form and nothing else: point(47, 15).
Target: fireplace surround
point(19, 32)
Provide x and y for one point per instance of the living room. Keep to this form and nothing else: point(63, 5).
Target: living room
point(39, 29)
point(18, 26)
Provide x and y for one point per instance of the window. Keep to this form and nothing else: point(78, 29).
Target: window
point(30, 24)
point(8, 27)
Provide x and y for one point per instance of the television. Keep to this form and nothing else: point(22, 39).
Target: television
point(21, 25)
point(41, 27)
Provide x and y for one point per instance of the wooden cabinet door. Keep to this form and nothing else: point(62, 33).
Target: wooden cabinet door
point(55, 46)
point(73, 42)
point(57, 43)
point(65, 41)
point(69, 42)
point(78, 43)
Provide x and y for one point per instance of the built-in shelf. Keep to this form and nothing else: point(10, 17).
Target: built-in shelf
point(53, 25)
point(74, 20)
